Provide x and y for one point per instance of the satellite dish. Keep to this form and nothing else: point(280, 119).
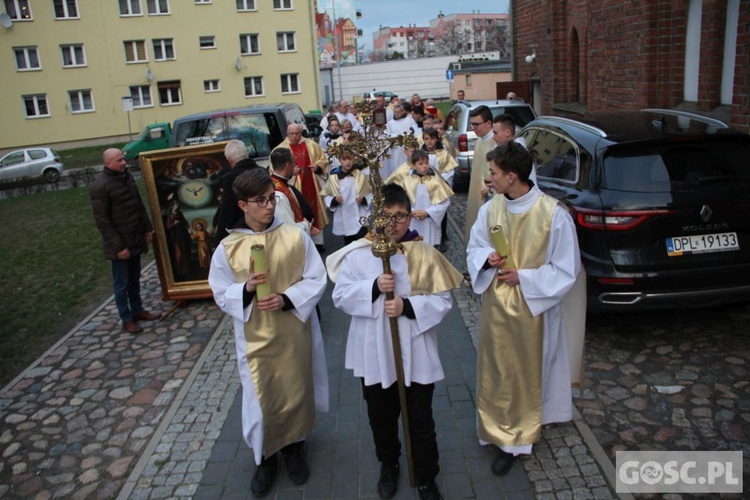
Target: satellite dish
point(237, 64)
point(5, 20)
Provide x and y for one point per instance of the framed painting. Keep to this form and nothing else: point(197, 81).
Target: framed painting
point(184, 195)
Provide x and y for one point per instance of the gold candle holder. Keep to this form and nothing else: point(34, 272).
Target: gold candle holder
point(258, 253)
point(500, 242)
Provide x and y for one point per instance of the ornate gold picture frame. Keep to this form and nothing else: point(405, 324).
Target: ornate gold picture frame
point(184, 196)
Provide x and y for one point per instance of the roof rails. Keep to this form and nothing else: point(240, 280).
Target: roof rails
point(684, 114)
point(576, 123)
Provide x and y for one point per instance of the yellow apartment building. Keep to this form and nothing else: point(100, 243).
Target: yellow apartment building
point(71, 68)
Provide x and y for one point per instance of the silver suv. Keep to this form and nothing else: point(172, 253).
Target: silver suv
point(463, 137)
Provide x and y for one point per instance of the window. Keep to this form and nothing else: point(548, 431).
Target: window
point(285, 42)
point(282, 4)
point(73, 55)
point(80, 101)
point(290, 83)
point(253, 86)
point(141, 96)
point(66, 9)
point(468, 80)
point(249, 44)
point(169, 93)
point(27, 58)
point(554, 156)
point(130, 8)
point(18, 10)
point(202, 1)
point(157, 7)
point(208, 42)
point(135, 51)
point(36, 105)
point(245, 5)
point(211, 86)
point(163, 49)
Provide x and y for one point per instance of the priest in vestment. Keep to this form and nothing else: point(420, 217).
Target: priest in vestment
point(524, 367)
point(280, 355)
point(291, 206)
point(402, 123)
point(480, 120)
point(313, 172)
point(421, 281)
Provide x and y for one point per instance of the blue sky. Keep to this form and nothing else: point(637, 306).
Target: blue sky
point(396, 13)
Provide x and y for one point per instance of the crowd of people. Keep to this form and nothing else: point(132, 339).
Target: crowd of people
point(267, 273)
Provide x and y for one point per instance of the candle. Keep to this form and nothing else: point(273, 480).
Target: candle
point(258, 253)
point(500, 242)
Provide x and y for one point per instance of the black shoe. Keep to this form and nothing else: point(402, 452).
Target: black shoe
point(502, 463)
point(296, 466)
point(429, 491)
point(264, 477)
point(388, 482)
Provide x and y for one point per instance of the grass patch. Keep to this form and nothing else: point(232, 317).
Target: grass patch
point(52, 272)
point(85, 157)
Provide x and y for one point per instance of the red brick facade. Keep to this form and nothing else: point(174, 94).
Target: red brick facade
point(600, 55)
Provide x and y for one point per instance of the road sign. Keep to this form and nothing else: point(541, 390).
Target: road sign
point(449, 75)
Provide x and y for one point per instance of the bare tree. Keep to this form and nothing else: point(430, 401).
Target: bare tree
point(496, 38)
point(451, 39)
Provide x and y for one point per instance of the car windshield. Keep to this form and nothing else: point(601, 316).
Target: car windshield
point(521, 114)
point(681, 167)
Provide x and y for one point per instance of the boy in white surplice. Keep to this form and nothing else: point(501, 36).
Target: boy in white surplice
point(421, 280)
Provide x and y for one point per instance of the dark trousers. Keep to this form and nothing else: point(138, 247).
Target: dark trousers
point(354, 237)
point(383, 409)
point(444, 230)
point(126, 275)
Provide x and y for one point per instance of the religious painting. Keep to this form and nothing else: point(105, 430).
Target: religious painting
point(184, 196)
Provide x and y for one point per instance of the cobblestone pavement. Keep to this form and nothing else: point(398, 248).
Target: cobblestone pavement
point(74, 424)
point(670, 380)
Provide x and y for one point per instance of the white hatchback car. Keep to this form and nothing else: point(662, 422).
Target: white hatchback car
point(31, 162)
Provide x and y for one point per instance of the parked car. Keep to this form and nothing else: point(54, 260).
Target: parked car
point(31, 162)
point(154, 136)
point(313, 125)
point(369, 96)
point(463, 136)
point(261, 127)
point(660, 199)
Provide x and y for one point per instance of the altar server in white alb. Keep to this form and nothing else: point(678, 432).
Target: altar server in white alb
point(279, 344)
point(430, 197)
point(347, 194)
point(533, 309)
point(421, 281)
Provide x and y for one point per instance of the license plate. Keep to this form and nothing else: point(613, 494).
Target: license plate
point(704, 243)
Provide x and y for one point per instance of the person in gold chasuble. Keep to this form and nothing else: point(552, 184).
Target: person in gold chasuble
point(313, 173)
point(523, 257)
point(268, 277)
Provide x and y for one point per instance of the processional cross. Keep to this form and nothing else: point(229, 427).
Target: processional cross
point(371, 148)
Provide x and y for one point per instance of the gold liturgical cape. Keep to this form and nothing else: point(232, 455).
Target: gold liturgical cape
point(480, 169)
point(361, 183)
point(279, 345)
point(437, 188)
point(509, 367)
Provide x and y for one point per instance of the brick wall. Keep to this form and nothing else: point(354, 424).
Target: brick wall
point(630, 54)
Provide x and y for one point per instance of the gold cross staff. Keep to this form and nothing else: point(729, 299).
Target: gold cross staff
point(371, 148)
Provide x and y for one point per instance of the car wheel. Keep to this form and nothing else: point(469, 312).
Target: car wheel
point(51, 175)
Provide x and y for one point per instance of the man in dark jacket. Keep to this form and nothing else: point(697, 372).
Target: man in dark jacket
point(229, 212)
point(126, 232)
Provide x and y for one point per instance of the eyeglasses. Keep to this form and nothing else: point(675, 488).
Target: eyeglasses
point(263, 202)
point(399, 217)
point(475, 124)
